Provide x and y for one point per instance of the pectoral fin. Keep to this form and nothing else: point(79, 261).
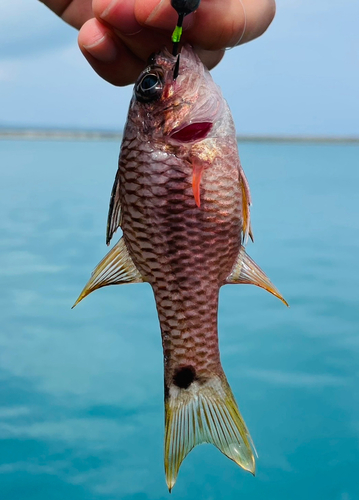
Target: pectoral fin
point(116, 268)
point(246, 271)
point(114, 212)
point(246, 203)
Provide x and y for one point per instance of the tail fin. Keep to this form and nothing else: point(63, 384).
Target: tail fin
point(204, 413)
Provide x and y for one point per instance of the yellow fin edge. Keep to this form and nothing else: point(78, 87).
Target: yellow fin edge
point(205, 413)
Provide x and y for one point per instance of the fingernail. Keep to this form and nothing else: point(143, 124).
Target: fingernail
point(104, 49)
point(155, 12)
point(120, 15)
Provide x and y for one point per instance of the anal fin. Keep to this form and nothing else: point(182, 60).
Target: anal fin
point(116, 268)
point(246, 271)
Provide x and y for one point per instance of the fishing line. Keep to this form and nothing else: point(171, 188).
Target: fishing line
point(244, 27)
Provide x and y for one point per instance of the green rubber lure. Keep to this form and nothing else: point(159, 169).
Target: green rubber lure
point(183, 8)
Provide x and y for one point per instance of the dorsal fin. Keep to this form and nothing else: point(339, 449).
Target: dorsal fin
point(246, 271)
point(114, 212)
point(116, 268)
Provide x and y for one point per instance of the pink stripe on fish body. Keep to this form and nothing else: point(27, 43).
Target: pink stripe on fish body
point(183, 251)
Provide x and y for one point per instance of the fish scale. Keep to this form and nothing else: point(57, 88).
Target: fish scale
point(182, 201)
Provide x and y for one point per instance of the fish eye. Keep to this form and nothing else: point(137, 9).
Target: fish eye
point(149, 87)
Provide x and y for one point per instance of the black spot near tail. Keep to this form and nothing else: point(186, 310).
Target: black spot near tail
point(184, 377)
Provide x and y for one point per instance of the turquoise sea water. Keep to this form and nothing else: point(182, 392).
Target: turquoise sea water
point(81, 391)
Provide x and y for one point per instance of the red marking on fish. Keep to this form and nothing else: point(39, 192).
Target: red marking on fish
point(196, 181)
point(193, 132)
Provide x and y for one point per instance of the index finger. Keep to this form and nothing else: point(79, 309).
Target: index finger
point(217, 24)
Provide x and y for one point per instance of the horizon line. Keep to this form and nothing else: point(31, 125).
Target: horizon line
point(34, 133)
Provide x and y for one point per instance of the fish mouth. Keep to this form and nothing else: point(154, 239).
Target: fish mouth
point(192, 132)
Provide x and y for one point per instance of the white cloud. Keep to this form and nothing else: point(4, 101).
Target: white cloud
point(11, 11)
point(18, 263)
point(281, 83)
point(27, 26)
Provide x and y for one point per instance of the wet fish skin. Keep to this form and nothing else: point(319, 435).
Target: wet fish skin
point(184, 252)
point(182, 201)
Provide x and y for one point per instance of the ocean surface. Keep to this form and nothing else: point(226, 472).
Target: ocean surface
point(81, 391)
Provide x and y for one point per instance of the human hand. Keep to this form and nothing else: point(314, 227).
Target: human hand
point(118, 36)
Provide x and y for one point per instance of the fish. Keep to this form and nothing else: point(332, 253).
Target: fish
point(182, 201)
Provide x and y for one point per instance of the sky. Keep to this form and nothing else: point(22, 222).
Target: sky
point(300, 78)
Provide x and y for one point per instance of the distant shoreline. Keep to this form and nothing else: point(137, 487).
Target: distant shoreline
point(96, 135)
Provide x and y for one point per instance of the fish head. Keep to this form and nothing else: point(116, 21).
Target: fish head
point(175, 111)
